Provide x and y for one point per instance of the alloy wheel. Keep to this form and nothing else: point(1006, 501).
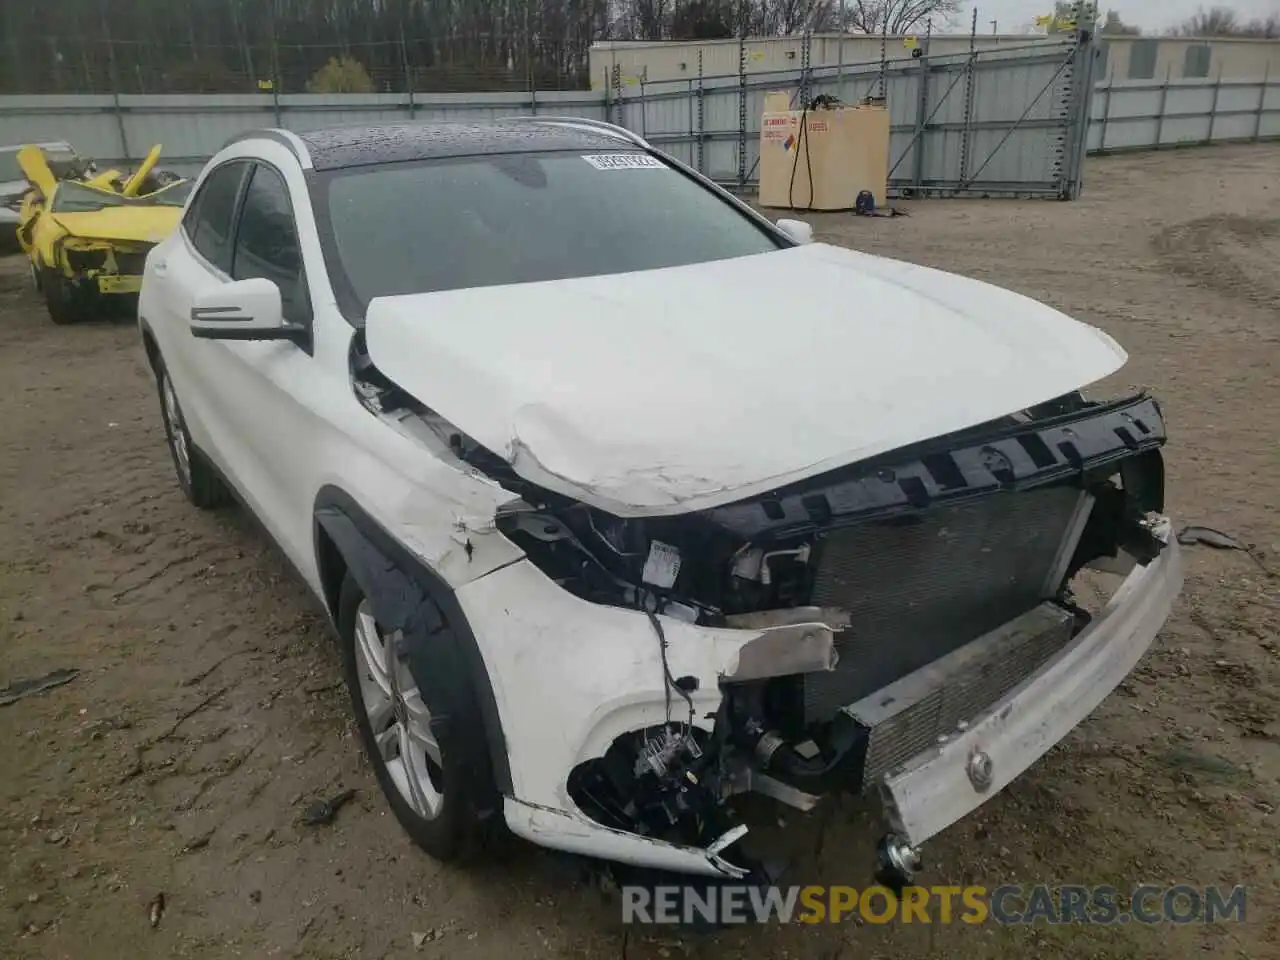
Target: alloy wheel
point(177, 432)
point(398, 717)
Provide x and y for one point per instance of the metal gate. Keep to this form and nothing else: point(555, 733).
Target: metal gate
point(999, 122)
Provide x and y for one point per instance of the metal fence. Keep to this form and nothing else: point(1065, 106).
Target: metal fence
point(989, 123)
point(1150, 114)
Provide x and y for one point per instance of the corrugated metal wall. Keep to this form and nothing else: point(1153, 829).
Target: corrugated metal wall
point(992, 122)
point(998, 122)
point(1232, 58)
point(1144, 114)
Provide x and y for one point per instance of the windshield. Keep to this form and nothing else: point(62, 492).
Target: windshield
point(516, 218)
point(77, 198)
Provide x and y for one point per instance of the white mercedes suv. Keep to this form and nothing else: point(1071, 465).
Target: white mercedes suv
point(625, 500)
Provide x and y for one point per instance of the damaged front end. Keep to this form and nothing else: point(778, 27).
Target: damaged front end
point(92, 265)
point(941, 576)
point(907, 625)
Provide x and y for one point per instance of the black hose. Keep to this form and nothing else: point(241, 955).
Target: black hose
point(795, 163)
point(846, 746)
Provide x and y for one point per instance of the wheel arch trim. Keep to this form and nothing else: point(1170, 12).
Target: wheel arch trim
point(407, 595)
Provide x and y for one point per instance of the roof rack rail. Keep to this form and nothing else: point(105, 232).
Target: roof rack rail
point(600, 125)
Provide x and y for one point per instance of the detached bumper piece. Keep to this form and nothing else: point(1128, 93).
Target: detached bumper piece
point(979, 758)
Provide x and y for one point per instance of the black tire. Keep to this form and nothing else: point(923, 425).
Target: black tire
point(455, 833)
point(200, 483)
point(59, 299)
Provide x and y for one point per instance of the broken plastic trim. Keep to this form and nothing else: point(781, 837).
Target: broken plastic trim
point(953, 468)
point(573, 834)
point(443, 655)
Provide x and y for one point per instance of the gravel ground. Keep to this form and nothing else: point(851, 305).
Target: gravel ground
point(207, 711)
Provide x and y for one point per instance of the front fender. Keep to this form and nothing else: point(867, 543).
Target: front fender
point(443, 655)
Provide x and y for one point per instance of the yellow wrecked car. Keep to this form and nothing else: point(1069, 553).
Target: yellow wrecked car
point(88, 238)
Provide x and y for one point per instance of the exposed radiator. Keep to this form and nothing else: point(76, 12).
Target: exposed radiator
point(907, 717)
point(919, 589)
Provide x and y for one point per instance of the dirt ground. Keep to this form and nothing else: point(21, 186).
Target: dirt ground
point(207, 711)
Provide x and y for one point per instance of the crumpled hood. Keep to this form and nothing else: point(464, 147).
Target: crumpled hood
point(126, 224)
point(673, 390)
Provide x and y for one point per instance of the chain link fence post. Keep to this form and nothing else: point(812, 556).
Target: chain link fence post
point(742, 110)
point(969, 69)
point(617, 95)
point(922, 114)
point(115, 84)
point(702, 149)
point(407, 67)
point(884, 56)
point(1078, 107)
point(275, 67)
point(806, 71)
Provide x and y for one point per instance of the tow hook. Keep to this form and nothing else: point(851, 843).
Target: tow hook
point(896, 862)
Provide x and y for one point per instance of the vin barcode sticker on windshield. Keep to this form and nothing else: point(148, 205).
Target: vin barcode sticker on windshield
point(622, 161)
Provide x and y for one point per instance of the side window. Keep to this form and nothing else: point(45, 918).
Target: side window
point(211, 213)
point(267, 242)
point(1196, 61)
point(1142, 59)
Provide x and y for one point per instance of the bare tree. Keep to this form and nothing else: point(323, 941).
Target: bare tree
point(1267, 28)
point(1222, 21)
point(787, 17)
point(1213, 22)
point(1113, 26)
point(898, 16)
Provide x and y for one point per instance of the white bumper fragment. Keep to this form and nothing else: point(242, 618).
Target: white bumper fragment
point(574, 833)
point(943, 784)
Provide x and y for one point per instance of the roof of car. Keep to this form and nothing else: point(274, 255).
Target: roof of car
point(339, 147)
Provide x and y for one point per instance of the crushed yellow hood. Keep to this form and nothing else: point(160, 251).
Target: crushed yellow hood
point(36, 168)
point(132, 224)
point(130, 189)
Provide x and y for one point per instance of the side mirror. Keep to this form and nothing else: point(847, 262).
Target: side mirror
point(797, 230)
point(243, 310)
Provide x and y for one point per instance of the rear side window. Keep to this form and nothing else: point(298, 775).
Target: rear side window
point(266, 243)
point(208, 222)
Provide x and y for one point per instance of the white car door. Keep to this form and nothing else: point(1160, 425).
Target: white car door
point(250, 405)
point(195, 259)
point(266, 390)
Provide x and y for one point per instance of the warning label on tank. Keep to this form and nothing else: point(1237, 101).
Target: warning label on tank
point(777, 128)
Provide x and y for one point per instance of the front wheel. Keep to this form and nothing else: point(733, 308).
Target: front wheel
point(60, 299)
point(422, 772)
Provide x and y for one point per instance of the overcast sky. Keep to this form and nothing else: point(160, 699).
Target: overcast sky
point(1151, 15)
